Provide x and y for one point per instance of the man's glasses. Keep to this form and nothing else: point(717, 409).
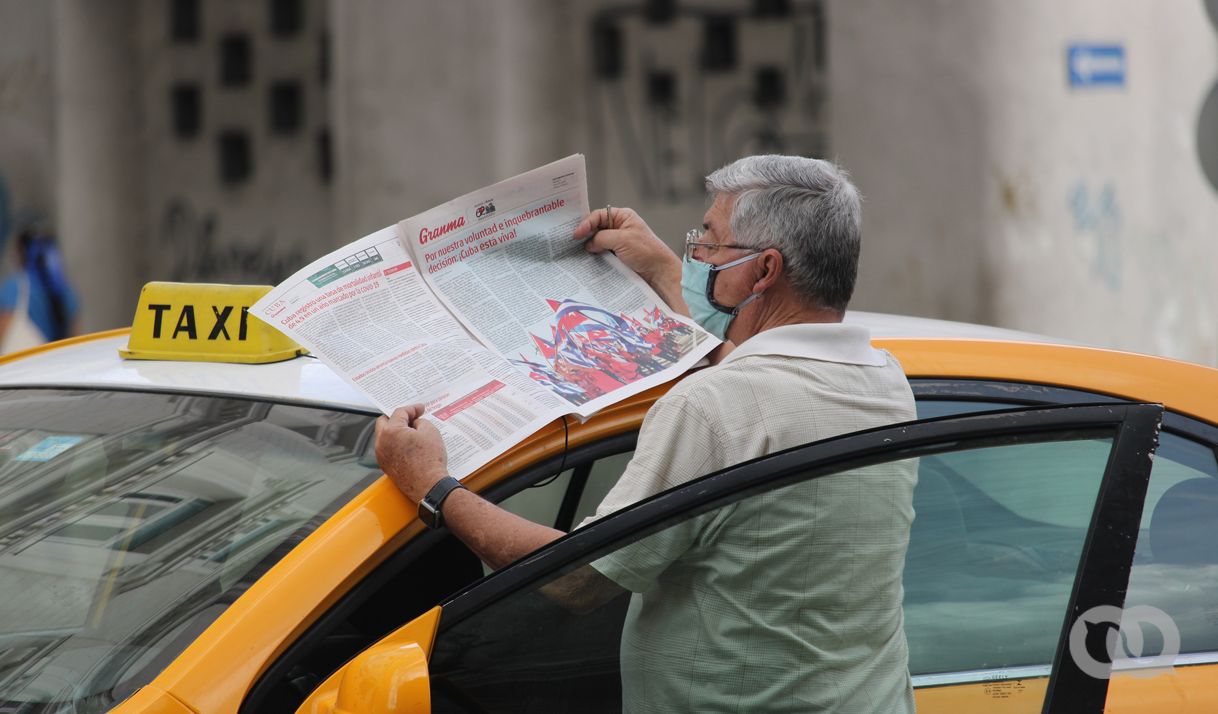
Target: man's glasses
point(709, 250)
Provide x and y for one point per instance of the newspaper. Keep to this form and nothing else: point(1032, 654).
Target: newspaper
point(486, 310)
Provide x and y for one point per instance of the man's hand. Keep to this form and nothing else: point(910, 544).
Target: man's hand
point(622, 232)
point(410, 451)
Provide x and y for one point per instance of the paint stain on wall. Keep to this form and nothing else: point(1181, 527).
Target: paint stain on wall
point(1097, 218)
point(1009, 197)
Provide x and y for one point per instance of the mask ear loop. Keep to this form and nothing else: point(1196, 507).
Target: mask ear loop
point(713, 273)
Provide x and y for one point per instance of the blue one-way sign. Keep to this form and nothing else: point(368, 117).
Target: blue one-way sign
point(1091, 65)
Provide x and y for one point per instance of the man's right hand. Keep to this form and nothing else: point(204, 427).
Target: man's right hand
point(623, 232)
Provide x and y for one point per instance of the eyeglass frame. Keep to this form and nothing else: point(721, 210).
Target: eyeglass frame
point(691, 243)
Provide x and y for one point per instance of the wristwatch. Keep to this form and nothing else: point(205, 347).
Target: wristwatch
point(429, 507)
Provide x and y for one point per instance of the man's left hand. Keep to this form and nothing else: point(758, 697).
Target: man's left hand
point(410, 451)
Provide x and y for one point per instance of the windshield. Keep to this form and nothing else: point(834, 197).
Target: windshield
point(130, 521)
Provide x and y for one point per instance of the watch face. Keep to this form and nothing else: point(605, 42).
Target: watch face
point(429, 507)
point(428, 513)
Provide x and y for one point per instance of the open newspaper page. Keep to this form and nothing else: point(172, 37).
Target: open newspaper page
point(582, 326)
point(365, 311)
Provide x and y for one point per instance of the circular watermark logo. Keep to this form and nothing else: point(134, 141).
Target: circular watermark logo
point(1106, 633)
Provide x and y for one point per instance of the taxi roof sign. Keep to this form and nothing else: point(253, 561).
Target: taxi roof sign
point(201, 322)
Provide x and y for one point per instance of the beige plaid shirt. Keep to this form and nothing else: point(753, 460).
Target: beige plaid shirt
point(787, 601)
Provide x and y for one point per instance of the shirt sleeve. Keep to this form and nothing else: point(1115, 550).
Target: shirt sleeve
point(637, 566)
point(676, 445)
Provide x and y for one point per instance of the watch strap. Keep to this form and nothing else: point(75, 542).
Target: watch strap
point(430, 507)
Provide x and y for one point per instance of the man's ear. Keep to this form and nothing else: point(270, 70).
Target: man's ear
point(771, 266)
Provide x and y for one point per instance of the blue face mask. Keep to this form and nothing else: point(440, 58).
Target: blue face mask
point(698, 288)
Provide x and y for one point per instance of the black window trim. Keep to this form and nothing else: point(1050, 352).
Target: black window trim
point(1107, 557)
point(1103, 574)
point(1024, 393)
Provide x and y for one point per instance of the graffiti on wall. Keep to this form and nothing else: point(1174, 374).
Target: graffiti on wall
point(200, 254)
point(1097, 217)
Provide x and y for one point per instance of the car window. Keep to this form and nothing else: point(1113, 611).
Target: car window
point(993, 553)
point(526, 653)
point(605, 473)
point(540, 502)
point(1176, 565)
point(129, 521)
point(586, 486)
point(931, 408)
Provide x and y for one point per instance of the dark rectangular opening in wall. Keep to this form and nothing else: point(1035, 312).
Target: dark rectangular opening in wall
point(287, 17)
point(323, 58)
point(662, 90)
point(236, 157)
point(660, 12)
point(287, 107)
point(718, 43)
point(236, 60)
point(186, 107)
point(184, 20)
point(769, 88)
point(607, 49)
point(817, 12)
point(772, 9)
point(325, 155)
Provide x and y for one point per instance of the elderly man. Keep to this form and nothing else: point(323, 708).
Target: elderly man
point(771, 272)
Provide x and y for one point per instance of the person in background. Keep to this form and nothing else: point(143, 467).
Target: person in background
point(37, 304)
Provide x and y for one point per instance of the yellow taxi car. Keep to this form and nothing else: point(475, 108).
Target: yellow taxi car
point(198, 536)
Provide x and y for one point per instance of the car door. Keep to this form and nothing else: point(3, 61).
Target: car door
point(1171, 664)
point(505, 645)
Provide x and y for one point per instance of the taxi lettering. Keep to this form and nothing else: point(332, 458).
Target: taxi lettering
point(186, 323)
point(199, 322)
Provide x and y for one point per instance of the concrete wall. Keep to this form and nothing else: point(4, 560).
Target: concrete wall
point(99, 157)
point(432, 100)
point(27, 127)
point(998, 193)
point(995, 192)
point(468, 92)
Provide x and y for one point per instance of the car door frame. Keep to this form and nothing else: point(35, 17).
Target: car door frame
point(1101, 578)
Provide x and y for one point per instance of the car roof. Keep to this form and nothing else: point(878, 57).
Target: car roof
point(93, 362)
point(884, 326)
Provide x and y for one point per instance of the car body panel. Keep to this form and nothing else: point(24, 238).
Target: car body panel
point(1185, 690)
point(154, 700)
point(1181, 386)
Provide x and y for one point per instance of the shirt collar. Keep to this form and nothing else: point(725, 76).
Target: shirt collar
point(825, 341)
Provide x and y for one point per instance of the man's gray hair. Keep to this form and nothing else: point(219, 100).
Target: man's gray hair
point(808, 210)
